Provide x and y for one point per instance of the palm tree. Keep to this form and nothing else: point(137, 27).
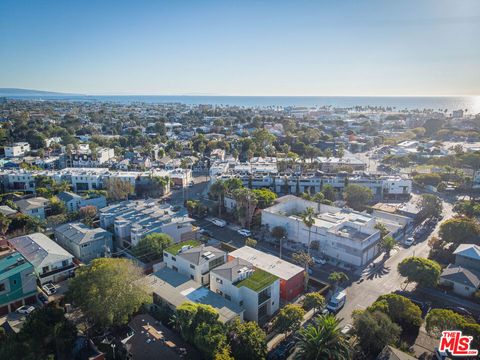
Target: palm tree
point(218, 190)
point(323, 341)
point(308, 219)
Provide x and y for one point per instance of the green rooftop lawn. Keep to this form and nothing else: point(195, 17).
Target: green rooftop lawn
point(175, 248)
point(258, 280)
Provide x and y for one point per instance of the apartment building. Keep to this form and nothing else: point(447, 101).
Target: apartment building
point(84, 242)
point(193, 259)
point(52, 263)
point(17, 149)
point(85, 157)
point(18, 283)
point(255, 290)
point(341, 234)
point(74, 202)
point(291, 276)
point(133, 220)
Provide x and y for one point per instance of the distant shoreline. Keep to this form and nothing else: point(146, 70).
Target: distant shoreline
point(471, 103)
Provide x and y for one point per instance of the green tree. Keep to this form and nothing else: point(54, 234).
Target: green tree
point(217, 190)
point(375, 330)
point(460, 230)
point(247, 340)
point(337, 277)
point(357, 196)
point(329, 192)
point(57, 206)
point(304, 259)
point(430, 206)
point(383, 230)
point(399, 308)
point(439, 320)
point(118, 189)
point(323, 340)
point(265, 197)
point(4, 224)
point(387, 244)
point(289, 318)
point(151, 247)
point(424, 272)
point(313, 300)
point(246, 205)
point(108, 291)
point(250, 242)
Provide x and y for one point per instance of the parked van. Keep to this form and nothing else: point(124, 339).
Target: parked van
point(337, 301)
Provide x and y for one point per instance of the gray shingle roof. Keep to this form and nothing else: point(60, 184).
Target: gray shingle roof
point(461, 275)
point(32, 203)
point(197, 255)
point(67, 196)
point(79, 233)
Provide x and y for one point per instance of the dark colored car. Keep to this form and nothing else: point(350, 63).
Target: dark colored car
point(282, 351)
point(460, 310)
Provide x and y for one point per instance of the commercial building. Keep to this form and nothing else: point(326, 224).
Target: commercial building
point(341, 233)
point(291, 276)
point(132, 220)
point(194, 260)
point(18, 283)
point(172, 289)
point(84, 242)
point(256, 290)
point(52, 263)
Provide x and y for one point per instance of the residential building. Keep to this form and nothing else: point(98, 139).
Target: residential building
point(74, 202)
point(256, 290)
point(463, 276)
point(18, 283)
point(85, 157)
point(391, 353)
point(34, 207)
point(17, 149)
point(291, 276)
point(194, 260)
point(171, 289)
point(132, 220)
point(52, 263)
point(7, 211)
point(341, 234)
point(84, 242)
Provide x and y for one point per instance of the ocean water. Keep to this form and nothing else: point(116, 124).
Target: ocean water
point(471, 103)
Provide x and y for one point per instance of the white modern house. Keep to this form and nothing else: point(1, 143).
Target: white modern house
point(52, 263)
point(194, 261)
point(133, 220)
point(17, 149)
point(341, 234)
point(84, 242)
point(255, 290)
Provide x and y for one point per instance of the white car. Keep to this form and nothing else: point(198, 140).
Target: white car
point(25, 309)
point(49, 289)
point(244, 232)
point(409, 241)
point(319, 261)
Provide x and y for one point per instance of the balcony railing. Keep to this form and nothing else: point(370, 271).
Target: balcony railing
point(262, 297)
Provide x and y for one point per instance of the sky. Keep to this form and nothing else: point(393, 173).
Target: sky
point(262, 47)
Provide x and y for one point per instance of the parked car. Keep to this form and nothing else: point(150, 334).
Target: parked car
point(42, 298)
point(410, 241)
point(460, 310)
point(244, 232)
point(49, 289)
point(319, 261)
point(205, 232)
point(25, 309)
point(283, 350)
point(218, 222)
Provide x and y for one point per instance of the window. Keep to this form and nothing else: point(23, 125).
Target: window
point(45, 269)
point(192, 266)
point(220, 281)
point(65, 263)
point(192, 277)
point(2, 287)
point(240, 303)
point(14, 282)
point(174, 268)
point(228, 297)
point(165, 255)
point(173, 258)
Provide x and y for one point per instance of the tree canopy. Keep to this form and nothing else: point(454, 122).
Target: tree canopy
point(430, 205)
point(357, 196)
point(460, 230)
point(289, 318)
point(108, 291)
point(399, 308)
point(424, 272)
point(151, 247)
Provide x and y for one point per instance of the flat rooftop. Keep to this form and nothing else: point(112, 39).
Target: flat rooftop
point(177, 289)
point(269, 263)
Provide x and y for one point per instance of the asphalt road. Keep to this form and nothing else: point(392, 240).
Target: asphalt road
point(384, 277)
